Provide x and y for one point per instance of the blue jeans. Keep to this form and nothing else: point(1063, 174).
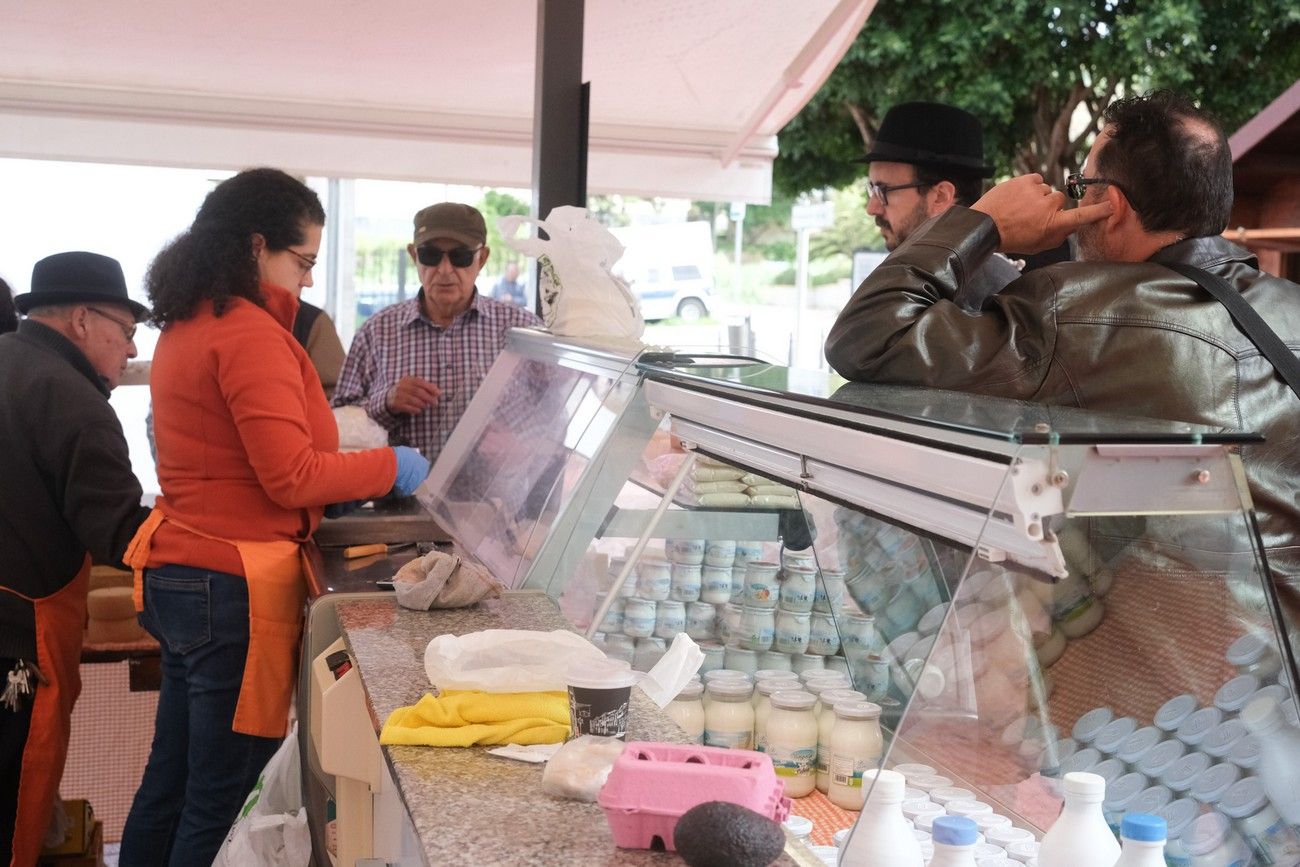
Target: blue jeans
point(200, 771)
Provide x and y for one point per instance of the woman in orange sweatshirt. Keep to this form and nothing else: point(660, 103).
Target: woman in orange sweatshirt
point(248, 460)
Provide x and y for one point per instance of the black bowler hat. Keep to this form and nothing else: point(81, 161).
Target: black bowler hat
point(78, 278)
point(932, 135)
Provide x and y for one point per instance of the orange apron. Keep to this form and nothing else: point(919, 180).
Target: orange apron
point(277, 588)
point(60, 622)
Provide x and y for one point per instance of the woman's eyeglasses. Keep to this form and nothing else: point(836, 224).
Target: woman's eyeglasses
point(460, 257)
point(307, 262)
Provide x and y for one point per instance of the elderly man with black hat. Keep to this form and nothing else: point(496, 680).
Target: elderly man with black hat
point(415, 365)
point(68, 496)
point(926, 158)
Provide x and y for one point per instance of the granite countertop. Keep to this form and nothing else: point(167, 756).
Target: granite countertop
point(469, 807)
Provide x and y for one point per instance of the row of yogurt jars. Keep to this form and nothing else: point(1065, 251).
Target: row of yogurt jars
point(927, 795)
point(820, 734)
point(783, 616)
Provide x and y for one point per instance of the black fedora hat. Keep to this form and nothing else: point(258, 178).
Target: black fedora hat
point(78, 277)
point(940, 137)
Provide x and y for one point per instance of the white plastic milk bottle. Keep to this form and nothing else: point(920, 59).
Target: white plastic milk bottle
point(882, 837)
point(1080, 836)
point(1144, 841)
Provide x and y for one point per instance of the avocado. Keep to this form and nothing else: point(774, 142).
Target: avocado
point(722, 834)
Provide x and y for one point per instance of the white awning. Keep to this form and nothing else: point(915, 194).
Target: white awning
point(686, 96)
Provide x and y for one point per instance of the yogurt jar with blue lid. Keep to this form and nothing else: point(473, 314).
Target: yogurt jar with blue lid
point(1135, 747)
point(1198, 725)
point(1114, 733)
point(1210, 786)
point(1120, 796)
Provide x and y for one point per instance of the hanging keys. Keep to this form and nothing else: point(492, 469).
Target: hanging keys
point(18, 687)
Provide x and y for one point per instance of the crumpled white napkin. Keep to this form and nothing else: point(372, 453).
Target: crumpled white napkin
point(442, 580)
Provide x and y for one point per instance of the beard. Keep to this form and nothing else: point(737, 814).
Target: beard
point(899, 229)
point(1087, 241)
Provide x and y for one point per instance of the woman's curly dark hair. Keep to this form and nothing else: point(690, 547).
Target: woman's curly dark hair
point(213, 259)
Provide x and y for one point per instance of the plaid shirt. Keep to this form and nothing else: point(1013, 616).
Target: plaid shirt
point(401, 341)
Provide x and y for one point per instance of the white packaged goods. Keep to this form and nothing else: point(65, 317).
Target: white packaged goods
point(954, 840)
point(792, 740)
point(1222, 738)
point(1179, 816)
point(1211, 841)
point(1183, 773)
point(1197, 725)
point(729, 718)
point(881, 837)
point(1113, 734)
point(855, 746)
point(1120, 796)
point(1252, 654)
point(687, 710)
point(1234, 694)
point(1271, 839)
point(1090, 725)
point(1173, 712)
point(1135, 747)
point(1080, 836)
point(825, 724)
point(1161, 757)
point(1210, 786)
point(1279, 764)
point(763, 689)
point(1144, 841)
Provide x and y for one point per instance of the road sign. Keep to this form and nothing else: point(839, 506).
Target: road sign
point(817, 216)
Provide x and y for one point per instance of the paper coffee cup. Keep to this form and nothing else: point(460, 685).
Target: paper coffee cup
point(599, 693)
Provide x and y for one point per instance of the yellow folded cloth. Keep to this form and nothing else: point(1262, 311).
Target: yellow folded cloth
point(462, 718)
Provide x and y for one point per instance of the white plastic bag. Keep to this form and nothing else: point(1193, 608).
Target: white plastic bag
point(505, 660)
point(271, 830)
point(581, 295)
point(581, 767)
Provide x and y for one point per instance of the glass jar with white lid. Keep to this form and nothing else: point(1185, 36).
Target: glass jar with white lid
point(792, 740)
point(856, 745)
point(729, 717)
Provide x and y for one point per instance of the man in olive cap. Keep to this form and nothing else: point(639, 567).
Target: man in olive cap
point(68, 495)
point(926, 158)
point(415, 365)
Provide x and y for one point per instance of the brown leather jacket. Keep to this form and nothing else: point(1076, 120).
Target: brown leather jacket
point(1136, 339)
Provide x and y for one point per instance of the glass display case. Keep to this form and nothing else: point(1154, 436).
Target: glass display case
point(1023, 590)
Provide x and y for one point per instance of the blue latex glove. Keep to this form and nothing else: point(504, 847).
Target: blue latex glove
point(411, 470)
point(338, 510)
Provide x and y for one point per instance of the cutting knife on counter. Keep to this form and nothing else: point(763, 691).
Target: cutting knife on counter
point(353, 552)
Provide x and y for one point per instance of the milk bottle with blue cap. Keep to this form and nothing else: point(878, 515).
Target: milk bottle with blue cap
point(954, 841)
point(1144, 841)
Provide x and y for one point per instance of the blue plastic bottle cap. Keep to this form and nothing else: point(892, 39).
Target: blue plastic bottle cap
point(1143, 827)
point(956, 831)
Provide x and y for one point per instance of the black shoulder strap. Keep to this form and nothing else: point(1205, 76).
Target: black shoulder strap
point(302, 323)
point(1249, 321)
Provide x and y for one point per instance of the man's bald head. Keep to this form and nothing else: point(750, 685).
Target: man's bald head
point(1172, 162)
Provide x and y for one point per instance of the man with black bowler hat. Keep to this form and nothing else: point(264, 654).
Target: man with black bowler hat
point(926, 158)
point(68, 494)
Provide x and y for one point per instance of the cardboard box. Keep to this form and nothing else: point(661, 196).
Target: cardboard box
point(77, 839)
point(92, 856)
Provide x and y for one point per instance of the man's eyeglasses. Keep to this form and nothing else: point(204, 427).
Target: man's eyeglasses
point(128, 329)
point(460, 257)
point(882, 191)
point(307, 262)
point(1076, 185)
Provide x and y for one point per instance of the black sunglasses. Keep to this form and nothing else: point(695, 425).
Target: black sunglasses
point(1076, 185)
point(460, 257)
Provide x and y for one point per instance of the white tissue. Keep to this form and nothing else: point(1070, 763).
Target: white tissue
point(669, 675)
point(533, 753)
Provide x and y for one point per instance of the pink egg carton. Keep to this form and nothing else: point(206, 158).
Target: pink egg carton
point(653, 784)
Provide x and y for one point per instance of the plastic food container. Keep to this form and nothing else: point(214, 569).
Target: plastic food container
point(652, 784)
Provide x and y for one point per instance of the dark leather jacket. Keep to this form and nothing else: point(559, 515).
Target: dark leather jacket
point(1136, 339)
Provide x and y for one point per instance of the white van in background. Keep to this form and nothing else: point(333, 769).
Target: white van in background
point(669, 267)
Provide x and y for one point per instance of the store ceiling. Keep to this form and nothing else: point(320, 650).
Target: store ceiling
point(686, 96)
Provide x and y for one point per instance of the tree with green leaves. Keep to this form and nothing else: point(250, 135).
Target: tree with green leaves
point(1038, 75)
